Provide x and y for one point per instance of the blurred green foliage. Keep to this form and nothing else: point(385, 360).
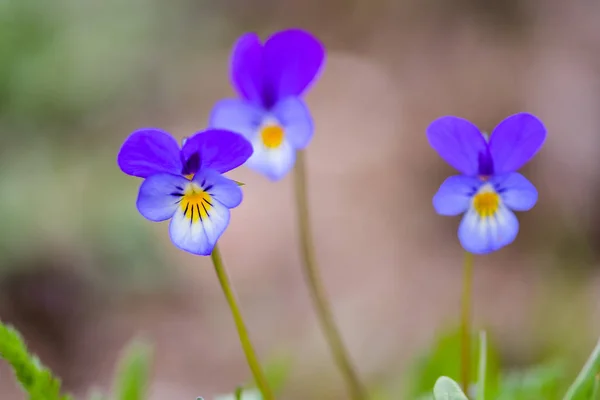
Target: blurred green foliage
point(443, 359)
point(586, 384)
point(131, 378)
point(133, 372)
point(544, 381)
point(77, 215)
point(61, 63)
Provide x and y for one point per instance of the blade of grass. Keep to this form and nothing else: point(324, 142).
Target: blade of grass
point(596, 392)
point(586, 376)
point(133, 372)
point(482, 365)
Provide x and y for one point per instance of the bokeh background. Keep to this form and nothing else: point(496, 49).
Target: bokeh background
point(82, 273)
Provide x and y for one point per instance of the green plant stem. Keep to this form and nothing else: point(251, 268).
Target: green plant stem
point(251, 357)
point(317, 289)
point(465, 323)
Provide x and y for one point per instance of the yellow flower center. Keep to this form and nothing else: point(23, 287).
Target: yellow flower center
point(272, 136)
point(196, 203)
point(486, 203)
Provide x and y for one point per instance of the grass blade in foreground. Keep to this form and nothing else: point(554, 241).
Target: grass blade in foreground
point(133, 372)
point(37, 380)
point(582, 388)
point(482, 366)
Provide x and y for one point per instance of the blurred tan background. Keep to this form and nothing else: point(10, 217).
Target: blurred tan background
point(82, 273)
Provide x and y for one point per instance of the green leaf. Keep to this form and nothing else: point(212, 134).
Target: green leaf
point(538, 382)
point(443, 359)
point(239, 183)
point(446, 389)
point(132, 374)
point(277, 371)
point(238, 393)
point(583, 386)
point(596, 391)
point(35, 379)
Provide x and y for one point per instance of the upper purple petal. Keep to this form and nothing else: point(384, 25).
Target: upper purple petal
point(292, 60)
point(149, 151)
point(460, 144)
point(218, 149)
point(247, 68)
point(515, 141)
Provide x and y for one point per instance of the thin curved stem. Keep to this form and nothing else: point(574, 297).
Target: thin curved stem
point(251, 357)
point(317, 289)
point(466, 322)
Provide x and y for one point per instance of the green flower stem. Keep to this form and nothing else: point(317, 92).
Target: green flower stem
point(465, 322)
point(317, 290)
point(251, 357)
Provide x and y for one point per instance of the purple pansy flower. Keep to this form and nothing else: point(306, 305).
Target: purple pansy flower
point(185, 184)
point(270, 79)
point(489, 189)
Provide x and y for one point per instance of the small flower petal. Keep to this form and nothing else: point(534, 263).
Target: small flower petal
point(159, 196)
point(199, 236)
point(149, 151)
point(516, 191)
point(485, 235)
point(273, 163)
point(293, 114)
point(220, 188)
point(292, 60)
point(238, 116)
point(455, 194)
point(515, 141)
point(459, 143)
point(247, 68)
point(218, 149)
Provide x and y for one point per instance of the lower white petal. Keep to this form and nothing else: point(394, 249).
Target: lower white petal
point(482, 235)
point(198, 231)
point(276, 162)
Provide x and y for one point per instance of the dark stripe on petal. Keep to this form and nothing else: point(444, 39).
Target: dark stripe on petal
point(205, 210)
